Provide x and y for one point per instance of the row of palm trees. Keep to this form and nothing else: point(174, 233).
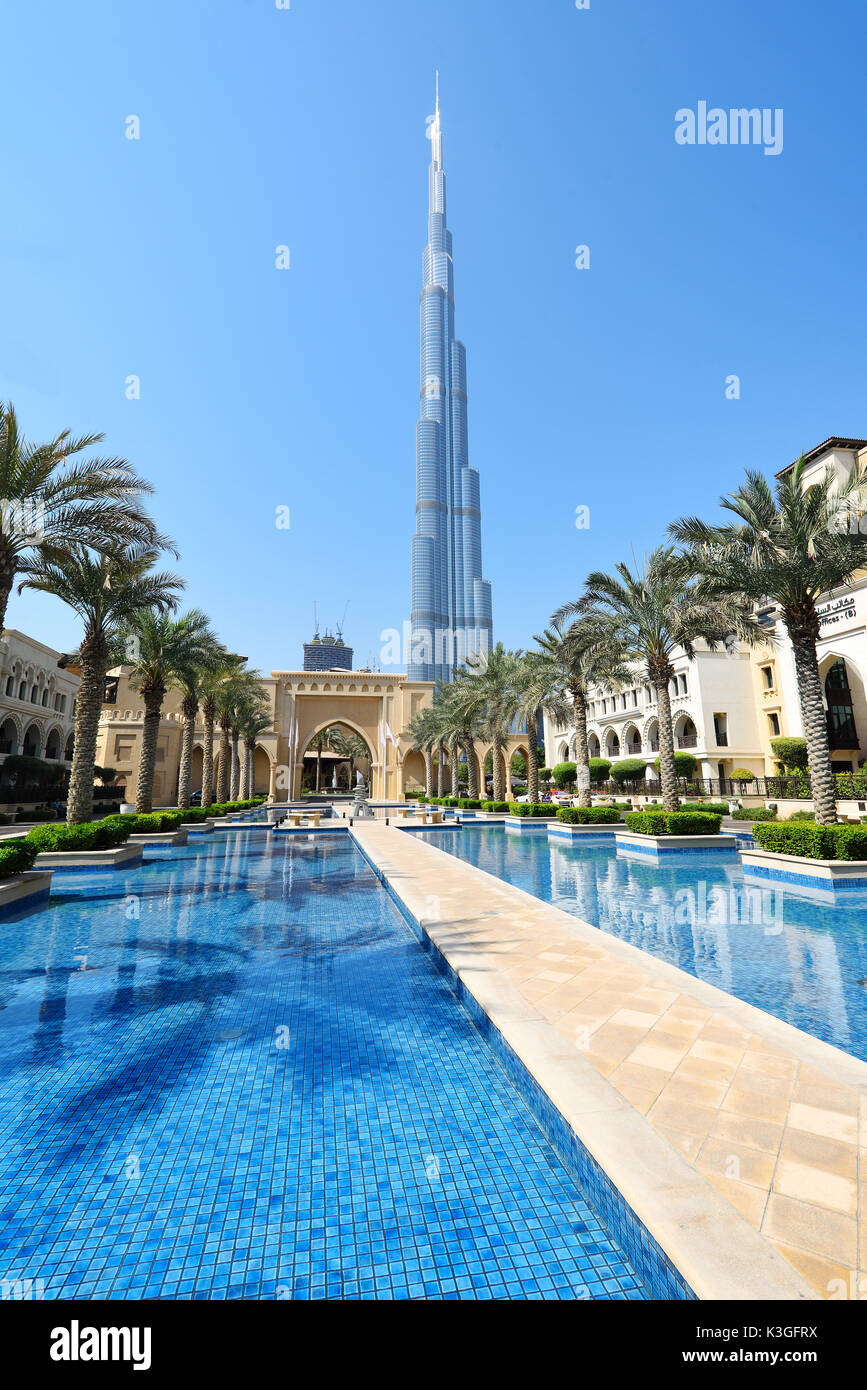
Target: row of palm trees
point(73, 524)
point(790, 545)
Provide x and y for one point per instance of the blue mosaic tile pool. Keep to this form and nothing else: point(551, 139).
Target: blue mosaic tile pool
point(235, 1073)
point(772, 944)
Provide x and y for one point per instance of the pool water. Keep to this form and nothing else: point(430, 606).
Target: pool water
point(771, 945)
point(235, 1073)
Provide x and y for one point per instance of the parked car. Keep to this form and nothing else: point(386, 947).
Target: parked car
point(196, 798)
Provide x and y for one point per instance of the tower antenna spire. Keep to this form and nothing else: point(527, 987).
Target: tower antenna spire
point(438, 91)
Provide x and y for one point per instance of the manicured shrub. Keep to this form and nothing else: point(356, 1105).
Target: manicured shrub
point(684, 765)
point(468, 803)
point(529, 808)
point(673, 823)
point(852, 786)
point(59, 839)
point(495, 805)
point(15, 857)
point(421, 797)
point(599, 769)
point(716, 808)
point(37, 817)
point(6, 819)
point(812, 841)
point(589, 815)
point(791, 752)
point(628, 770)
point(802, 815)
point(758, 813)
point(564, 775)
point(742, 774)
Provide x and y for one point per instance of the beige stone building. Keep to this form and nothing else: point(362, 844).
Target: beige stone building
point(37, 699)
point(375, 706)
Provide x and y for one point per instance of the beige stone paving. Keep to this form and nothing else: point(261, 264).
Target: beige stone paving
point(773, 1119)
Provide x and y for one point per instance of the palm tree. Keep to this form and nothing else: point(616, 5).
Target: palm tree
point(490, 686)
point(165, 647)
point(536, 690)
point(192, 682)
point(319, 741)
point(253, 723)
point(571, 659)
point(107, 591)
point(793, 545)
point(460, 711)
point(423, 733)
point(50, 503)
point(649, 614)
point(212, 689)
point(249, 703)
point(237, 689)
point(352, 747)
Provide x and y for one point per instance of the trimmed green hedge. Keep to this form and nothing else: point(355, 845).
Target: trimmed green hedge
point(151, 823)
point(715, 808)
point(495, 805)
point(812, 841)
point(468, 803)
point(529, 808)
point(16, 856)
point(589, 815)
point(673, 823)
point(61, 839)
point(763, 813)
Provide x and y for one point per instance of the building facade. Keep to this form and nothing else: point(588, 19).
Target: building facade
point(842, 645)
point(375, 707)
point(713, 714)
point(37, 700)
point(327, 653)
point(451, 602)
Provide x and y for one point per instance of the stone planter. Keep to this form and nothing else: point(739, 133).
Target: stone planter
point(525, 823)
point(24, 890)
point(795, 868)
point(160, 837)
point(123, 857)
point(199, 827)
point(563, 831)
point(656, 846)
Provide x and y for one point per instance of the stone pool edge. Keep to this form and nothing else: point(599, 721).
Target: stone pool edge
point(630, 1172)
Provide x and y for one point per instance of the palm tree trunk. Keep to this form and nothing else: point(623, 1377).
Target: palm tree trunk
point(497, 759)
point(245, 773)
point(455, 761)
point(532, 757)
point(472, 768)
point(582, 755)
point(236, 767)
point(7, 579)
point(189, 709)
point(441, 768)
point(223, 770)
point(208, 760)
point(667, 770)
point(318, 768)
point(428, 773)
point(94, 664)
point(147, 763)
point(822, 785)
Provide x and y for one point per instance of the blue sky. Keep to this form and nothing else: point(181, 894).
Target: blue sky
point(263, 388)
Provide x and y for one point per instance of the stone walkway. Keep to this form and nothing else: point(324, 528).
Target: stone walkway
point(764, 1126)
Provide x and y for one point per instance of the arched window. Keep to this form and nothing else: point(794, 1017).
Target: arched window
point(32, 741)
point(68, 750)
point(22, 691)
point(841, 716)
point(8, 736)
point(10, 685)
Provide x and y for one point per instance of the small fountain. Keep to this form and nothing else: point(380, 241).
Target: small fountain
point(360, 808)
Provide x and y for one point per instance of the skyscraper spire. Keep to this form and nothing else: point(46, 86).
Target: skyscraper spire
point(451, 603)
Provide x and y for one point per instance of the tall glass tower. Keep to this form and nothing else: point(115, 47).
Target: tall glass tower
point(451, 603)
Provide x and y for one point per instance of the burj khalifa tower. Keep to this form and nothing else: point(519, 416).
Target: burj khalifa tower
point(451, 602)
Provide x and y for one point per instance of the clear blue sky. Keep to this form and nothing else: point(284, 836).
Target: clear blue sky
point(305, 127)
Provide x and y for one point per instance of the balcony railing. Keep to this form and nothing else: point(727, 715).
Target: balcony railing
point(654, 745)
point(687, 741)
